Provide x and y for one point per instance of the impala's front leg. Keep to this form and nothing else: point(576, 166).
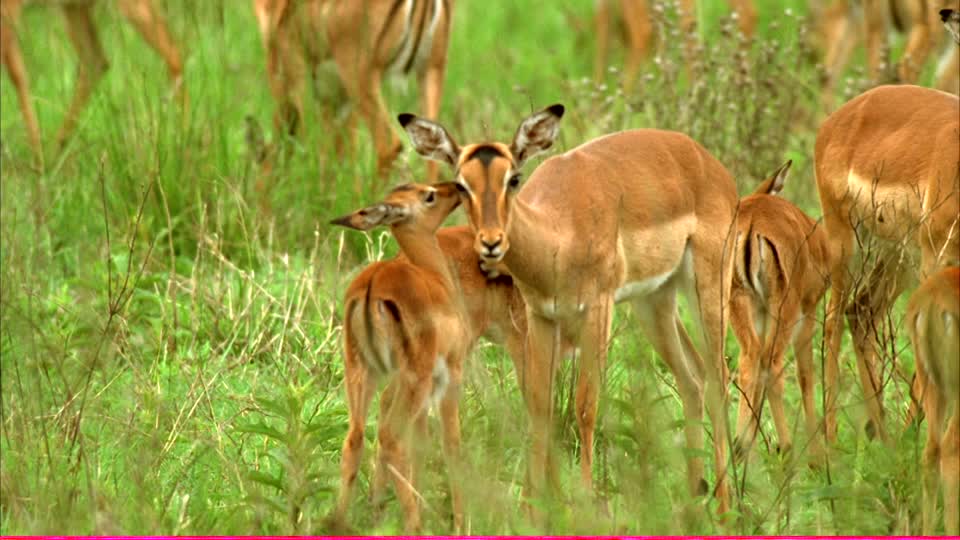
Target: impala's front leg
point(13, 60)
point(540, 362)
point(92, 63)
point(748, 366)
point(594, 337)
point(450, 417)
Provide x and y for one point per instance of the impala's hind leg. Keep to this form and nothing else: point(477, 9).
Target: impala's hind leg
point(12, 59)
point(92, 63)
point(656, 315)
point(359, 388)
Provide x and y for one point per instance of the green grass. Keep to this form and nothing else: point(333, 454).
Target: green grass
point(171, 353)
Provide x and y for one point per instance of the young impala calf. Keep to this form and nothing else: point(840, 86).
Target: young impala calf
point(781, 265)
point(632, 216)
point(366, 41)
point(933, 319)
point(93, 62)
point(411, 321)
point(888, 167)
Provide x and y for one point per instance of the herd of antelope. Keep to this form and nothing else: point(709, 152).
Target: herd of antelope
point(635, 216)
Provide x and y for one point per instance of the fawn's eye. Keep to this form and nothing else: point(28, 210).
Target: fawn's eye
point(514, 181)
point(461, 188)
point(431, 197)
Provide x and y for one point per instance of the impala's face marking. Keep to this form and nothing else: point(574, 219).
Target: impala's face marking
point(484, 175)
point(488, 174)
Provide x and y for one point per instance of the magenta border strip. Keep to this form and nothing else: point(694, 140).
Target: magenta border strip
point(610, 537)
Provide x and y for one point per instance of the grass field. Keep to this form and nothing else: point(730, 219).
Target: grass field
point(171, 357)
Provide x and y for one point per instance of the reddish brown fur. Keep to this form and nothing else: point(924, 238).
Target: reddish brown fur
point(840, 27)
point(361, 38)
point(441, 316)
point(933, 319)
point(617, 212)
point(792, 276)
point(901, 146)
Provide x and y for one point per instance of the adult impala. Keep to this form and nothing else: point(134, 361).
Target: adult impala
point(411, 321)
point(933, 319)
point(781, 266)
point(887, 167)
point(93, 62)
point(366, 40)
point(633, 216)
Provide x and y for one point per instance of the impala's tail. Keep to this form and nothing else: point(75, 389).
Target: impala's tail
point(375, 328)
point(757, 262)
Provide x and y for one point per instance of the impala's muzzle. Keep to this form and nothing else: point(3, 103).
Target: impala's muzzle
point(491, 246)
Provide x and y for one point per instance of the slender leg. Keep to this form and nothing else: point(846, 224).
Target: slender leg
point(93, 63)
point(362, 83)
point(841, 233)
point(601, 28)
point(409, 401)
point(13, 60)
point(636, 17)
point(543, 353)
point(713, 268)
point(594, 338)
point(143, 16)
point(359, 388)
point(950, 473)
point(933, 409)
point(450, 417)
point(748, 413)
point(919, 42)
point(663, 336)
point(803, 350)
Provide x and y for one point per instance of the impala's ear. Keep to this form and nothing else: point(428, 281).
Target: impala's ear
point(430, 139)
point(373, 216)
point(536, 133)
point(774, 184)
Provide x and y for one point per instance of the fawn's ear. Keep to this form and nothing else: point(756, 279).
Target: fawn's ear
point(373, 216)
point(430, 139)
point(774, 184)
point(536, 133)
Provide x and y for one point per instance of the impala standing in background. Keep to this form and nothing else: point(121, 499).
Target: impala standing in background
point(637, 29)
point(887, 167)
point(781, 268)
point(633, 216)
point(93, 62)
point(366, 41)
point(843, 23)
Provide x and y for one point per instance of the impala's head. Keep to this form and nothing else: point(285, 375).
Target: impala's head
point(951, 19)
point(410, 205)
point(487, 174)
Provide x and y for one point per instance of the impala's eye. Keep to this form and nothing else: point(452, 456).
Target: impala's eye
point(514, 181)
point(431, 197)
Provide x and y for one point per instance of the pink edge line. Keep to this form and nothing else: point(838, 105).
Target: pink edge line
point(606, 537)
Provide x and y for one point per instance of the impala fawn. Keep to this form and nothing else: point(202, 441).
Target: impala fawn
point(412, 320)
point(781, 267)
